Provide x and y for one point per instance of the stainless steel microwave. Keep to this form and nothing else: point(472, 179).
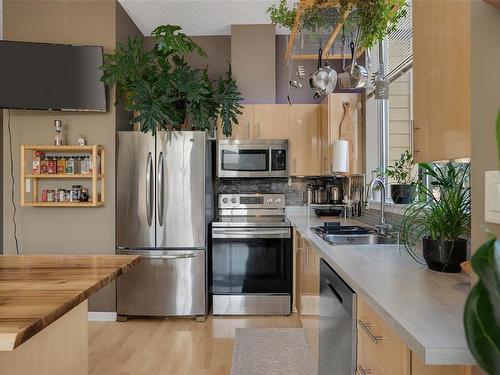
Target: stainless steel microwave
point(252, 158)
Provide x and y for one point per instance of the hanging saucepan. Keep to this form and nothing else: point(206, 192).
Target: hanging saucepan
point(332, 78)
point(319, 79)
point(357, 73)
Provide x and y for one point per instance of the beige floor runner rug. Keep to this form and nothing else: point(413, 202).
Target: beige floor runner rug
point(276, 351)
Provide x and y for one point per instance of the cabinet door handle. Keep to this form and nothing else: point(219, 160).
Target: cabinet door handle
point(363, 371)
point(294, 165)
point(366, 327)
point(258, 129)
point(248, 130)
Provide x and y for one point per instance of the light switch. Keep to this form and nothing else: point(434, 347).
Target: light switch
point(492, 197)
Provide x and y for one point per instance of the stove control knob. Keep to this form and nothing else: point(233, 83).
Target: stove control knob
point(224, 200)
point(233, 200)
point(278, 200)
point(269, 200)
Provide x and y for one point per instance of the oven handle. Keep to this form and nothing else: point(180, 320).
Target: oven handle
point(250, 233)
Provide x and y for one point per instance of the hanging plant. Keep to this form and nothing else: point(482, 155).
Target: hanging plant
point(376, 18)
point(165, 90)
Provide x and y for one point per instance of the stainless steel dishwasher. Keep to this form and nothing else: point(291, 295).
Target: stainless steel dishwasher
point(337, 324)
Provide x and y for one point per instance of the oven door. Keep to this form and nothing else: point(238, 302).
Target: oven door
point(237, 160)
point(251, 261)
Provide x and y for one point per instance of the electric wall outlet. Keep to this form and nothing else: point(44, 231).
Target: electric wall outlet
point(492, 197)
point(28, 185)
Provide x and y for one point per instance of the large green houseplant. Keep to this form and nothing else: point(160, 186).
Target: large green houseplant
point(164, 91)
point(482, 309)
point(440, 225)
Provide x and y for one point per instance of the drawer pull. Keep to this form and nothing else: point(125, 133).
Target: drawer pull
point(363, 371)
point(366, 328)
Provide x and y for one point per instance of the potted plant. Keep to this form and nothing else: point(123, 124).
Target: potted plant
point(403, 191)
point(441, 224)
point(164, 91)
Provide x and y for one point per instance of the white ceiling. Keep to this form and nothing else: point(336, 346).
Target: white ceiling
point(200, 17)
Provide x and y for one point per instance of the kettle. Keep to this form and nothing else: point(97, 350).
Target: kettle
point(335, 194)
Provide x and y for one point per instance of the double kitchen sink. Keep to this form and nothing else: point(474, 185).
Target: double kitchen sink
point(336, 234)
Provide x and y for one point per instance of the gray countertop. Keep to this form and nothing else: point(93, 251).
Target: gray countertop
point(423, 307)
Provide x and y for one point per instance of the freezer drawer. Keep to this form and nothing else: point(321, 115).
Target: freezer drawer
point(165, 283)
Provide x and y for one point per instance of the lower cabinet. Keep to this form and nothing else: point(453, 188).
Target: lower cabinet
point(380, 351)
point(307, 292)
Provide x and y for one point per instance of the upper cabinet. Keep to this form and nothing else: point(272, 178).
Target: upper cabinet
point(244, 129)
point(261, 121)
point(441, 80)
point(331, 113)
point(304, 140)
point(271, 121)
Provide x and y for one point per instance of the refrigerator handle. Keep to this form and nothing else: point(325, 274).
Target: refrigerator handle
point(161, 188)
point(149, 170)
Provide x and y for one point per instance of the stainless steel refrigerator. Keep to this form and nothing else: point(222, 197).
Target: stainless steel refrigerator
point(164, 204)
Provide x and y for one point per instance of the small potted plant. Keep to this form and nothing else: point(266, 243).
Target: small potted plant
point(403, 191)
point(441, 224)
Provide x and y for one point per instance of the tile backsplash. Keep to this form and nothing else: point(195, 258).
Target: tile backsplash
point(294, 192)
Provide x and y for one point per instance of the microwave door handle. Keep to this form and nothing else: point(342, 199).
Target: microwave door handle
point(270, 161)
point(149, 168)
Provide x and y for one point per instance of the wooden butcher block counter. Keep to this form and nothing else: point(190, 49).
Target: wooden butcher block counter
point(43, 309)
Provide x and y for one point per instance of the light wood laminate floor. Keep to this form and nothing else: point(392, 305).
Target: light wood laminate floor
point(170, 346)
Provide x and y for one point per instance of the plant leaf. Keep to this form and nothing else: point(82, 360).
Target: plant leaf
point(482, 330)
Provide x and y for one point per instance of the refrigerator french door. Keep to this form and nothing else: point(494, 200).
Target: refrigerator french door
point(164, 189)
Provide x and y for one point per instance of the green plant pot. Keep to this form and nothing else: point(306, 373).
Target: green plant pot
point(403, 193)
point(443, 255)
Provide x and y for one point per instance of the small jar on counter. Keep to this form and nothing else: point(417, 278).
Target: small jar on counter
point(44, 195)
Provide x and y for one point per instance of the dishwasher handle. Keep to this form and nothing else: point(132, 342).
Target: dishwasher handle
point(332, 283)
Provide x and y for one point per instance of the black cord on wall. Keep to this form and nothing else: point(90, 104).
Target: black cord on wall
point(12, 185)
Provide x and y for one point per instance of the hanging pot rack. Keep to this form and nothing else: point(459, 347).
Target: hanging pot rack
point(294, 34)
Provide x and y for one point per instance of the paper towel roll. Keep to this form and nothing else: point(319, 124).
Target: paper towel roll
point(340, 157)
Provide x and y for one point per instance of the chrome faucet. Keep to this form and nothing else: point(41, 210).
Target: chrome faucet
point(383, 227)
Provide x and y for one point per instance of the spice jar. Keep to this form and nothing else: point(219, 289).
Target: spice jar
point(37, 160)
point(62, 195)
point(44, 195)
point(44, 165)
point(52, 166)
point(84, 196)
point(50, 195)
point(70, 165)
point(61, 165)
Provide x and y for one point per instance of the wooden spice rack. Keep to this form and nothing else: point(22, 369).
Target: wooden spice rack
point(97, 190)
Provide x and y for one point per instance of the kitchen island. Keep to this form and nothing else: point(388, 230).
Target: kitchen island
point(424, 308)
point(43, 309)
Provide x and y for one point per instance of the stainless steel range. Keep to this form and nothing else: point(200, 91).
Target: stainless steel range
point(251, 256)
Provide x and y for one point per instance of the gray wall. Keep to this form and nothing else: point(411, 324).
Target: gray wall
point(63, 230)
point(125, 28)
point(485, 55)
point(485, 59)
point(253, 57)
point(218, 49)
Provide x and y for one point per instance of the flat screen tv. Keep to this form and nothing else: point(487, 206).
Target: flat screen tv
point(51, 76)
